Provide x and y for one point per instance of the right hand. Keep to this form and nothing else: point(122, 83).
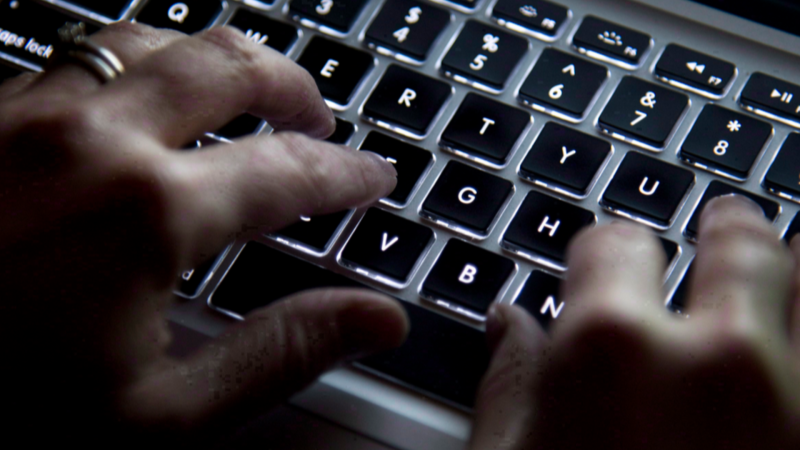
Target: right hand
point(622, 372)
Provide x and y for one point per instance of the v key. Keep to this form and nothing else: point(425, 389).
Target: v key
point(385, 245)
point(362, 252)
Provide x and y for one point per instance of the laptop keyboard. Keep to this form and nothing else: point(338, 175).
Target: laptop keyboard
point(513, 124)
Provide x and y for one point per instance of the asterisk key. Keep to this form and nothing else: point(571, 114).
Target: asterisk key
point(734, 125)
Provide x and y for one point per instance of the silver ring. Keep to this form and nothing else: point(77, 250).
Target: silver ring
point(76, 46)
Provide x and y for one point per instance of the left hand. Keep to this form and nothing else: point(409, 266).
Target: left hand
point(622, 372)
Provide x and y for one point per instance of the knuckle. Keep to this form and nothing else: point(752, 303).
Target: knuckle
point(311, 169)
point(247, 57)
point(123, 31)
point(58, 131)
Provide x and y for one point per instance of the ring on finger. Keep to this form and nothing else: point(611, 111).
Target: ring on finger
point(77, 46)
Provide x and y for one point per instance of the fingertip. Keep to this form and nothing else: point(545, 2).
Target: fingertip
point(373, 322)
point(380, 174)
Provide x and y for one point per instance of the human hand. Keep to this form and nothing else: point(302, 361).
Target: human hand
point(101, 212)
point(620, 371)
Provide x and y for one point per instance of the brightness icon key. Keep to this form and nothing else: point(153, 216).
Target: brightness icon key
point(611, 42)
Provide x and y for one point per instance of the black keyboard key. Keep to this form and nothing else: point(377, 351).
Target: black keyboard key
point(344, 131)
point(440, 356)
point(783, 176)
point(484, 55)
point(263, 30)
point(695, 71)
point(411, 163)
point(725, 141)
point(605, 40)
point(680, 297)
point(647, 189)
point(386, 245)
point(314, 233)
point(112, 9)
point(718, 188)
point(485, 130)
point(564, 84)
point(406, 99)
point(643, 112)
point(793, 230)
point(772, 97)
point(188, 16)
point(244, 125)
point(466, 197)
point(543, 227)
point(539, 18)
point(466, 275)
point(565, 160)
point(29, 31)
point(192, 281)
point(336, 14)
point(337, 69)
point(407, 27)
point(7, 72)
point(539, 296)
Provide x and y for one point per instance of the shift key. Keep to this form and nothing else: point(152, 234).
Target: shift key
point(29, 31)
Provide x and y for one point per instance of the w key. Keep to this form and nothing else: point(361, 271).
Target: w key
point(484, 56)
point(466, 199)
point(485, 130)
point(387, 245)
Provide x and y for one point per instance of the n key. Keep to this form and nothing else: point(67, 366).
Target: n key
point(539, 296)
point(406, 101)
point(387, 245)
point(337, 69)
point(647, 190)
point(468, 276)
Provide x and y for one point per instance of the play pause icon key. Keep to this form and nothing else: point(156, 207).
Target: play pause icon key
point(772, 97)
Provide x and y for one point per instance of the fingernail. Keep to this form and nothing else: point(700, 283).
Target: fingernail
point(729, 201)
point(368, 327)
point(380, 163)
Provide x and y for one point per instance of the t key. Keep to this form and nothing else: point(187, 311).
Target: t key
point(466, 197)
point(337, 69)
point(483, 56)
point(543, 227)
point(643, 113)
point(467, 275)
point(386, 244)
point(647, 190)
point(725, 142)
point(407, 27)
point(406, 101)
point(186, 16)
point(485, 130)
point(563, 85)
point(335, 16)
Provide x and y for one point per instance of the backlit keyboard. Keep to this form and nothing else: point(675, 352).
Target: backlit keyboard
point(513, 124)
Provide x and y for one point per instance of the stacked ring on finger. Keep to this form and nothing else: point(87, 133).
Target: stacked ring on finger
point(76, 45)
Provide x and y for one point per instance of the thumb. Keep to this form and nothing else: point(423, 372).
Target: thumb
point(505, 404)
point(274, 353)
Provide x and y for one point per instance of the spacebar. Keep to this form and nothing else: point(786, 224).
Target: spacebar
point(441, 357)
